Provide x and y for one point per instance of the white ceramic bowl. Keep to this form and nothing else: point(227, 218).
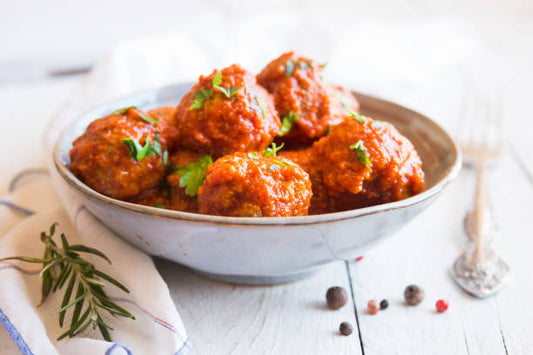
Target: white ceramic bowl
point(262, 250)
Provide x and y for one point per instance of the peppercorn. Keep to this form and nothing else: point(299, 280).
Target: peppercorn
point(384, 304)
point(441, 305)
point(336, 297)
point(372, 307)
point(345, 328)
point(413, 295)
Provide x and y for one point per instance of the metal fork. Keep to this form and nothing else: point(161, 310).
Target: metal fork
point(478, 270)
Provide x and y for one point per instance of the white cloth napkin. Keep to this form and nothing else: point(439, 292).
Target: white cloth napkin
point(153, 62)
point(157, 329)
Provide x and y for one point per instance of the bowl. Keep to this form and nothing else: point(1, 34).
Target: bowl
point(265, 250)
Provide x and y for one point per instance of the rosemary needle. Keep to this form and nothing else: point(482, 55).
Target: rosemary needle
point(63, 265)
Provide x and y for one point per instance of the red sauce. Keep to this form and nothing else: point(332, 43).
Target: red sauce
point(246, 121)
point(103, 161)
point(340, 162)
point(298, 88)
point(237, 185)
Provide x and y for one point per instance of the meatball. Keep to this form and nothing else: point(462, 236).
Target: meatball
point(306, 104)
point(364, 162)
point(250, 185)
point(158, 196)
point(226, 112)
point(165, 116)
point(321, 202)
point(179, 199)
point(121, 154)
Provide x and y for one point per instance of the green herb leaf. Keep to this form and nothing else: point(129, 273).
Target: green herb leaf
point(157, 144)
point(200, 97)
point(193, 174)
point(148, 118)
point(289, 68)
point(288, 162)
point(357, 116)
point(60, 263)
point(291, 65)
point(287, 123)
point(217, 79)
point(123, 110)
point(360, 150)
point(272, 150)
point(165, 157)
point(228, 92)
point(330, 129)
point(159, 205)
point(138, 151)
point(253, 155)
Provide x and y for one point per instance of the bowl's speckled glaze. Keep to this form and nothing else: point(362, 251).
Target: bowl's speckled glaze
point(261, 250)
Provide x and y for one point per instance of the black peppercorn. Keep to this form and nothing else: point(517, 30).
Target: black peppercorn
point(345, 328)
point(336, 297)
point(413, 295)
point(384, 304)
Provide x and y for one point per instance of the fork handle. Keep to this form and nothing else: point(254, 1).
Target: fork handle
point(479, 215)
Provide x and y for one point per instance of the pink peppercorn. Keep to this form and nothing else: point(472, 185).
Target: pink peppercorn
point(442, 306)
point(373, 307)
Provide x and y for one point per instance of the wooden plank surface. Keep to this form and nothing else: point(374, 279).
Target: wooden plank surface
point(283, 319)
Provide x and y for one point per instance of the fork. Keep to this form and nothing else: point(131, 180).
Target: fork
point(480, 272)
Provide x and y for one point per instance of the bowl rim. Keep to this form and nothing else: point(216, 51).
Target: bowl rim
point(160, 213)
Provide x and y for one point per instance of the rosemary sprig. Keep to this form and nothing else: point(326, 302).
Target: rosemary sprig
point(62, 263)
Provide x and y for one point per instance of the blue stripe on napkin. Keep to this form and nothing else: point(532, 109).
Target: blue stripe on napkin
point(14, 334)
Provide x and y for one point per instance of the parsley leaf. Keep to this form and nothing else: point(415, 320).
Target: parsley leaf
point(357, 116)
point(291, 65)
point(360, 150)
point(272, 150)
point(159, 205)
point(258, 105)
point(287, 123)
point(157, 148)
point(165, 158)
point(217, 79)
point(253, 155)
point(199, 98)
point(193, 174)
point(330, 129)
point(123, 110)
point(228, 92)
point(289, 68)
point(148, 118)
point(138, 151)
point(157, 144)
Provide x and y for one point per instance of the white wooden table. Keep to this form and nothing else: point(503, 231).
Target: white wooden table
point(292, 318)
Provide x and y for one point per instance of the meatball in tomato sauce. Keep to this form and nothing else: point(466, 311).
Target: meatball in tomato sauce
point(251, 185)
point(364, 162)
point(183, 198)
point(307, 105)
point(226, 112)
point(121, 154)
